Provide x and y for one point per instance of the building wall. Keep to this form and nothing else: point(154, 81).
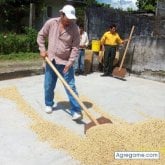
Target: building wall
point(147, 44)
point(146, 57)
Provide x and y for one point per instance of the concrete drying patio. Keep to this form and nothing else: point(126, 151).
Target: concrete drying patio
point(130, 101)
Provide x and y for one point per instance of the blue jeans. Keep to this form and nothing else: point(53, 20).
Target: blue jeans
point(79, 62)
point(50, 84)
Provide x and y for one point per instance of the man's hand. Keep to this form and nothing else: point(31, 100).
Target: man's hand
point(67, 67)
point(43, 54)
point(126, 40)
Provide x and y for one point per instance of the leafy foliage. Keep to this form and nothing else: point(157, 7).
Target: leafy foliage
point(148, 5)
point(90, 2)
point(31, 35)
point(12, 42)
point(80, 10)
point(15, 14)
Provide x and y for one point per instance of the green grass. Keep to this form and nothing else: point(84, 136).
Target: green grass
point(20, 57)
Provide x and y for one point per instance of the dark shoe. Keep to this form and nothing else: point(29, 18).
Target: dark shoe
point(104, 75)
point(83, 73)
point(110, 75)
point(76, 74)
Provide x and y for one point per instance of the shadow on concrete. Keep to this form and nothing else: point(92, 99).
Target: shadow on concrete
point(65, 106)
point(122, 79)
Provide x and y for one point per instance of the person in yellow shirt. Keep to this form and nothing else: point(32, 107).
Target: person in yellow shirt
point(109, 42)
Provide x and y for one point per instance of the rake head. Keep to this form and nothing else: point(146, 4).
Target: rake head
point(120, 73)
point(101, 120)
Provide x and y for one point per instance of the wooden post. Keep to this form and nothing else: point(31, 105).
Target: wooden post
point(32, 14)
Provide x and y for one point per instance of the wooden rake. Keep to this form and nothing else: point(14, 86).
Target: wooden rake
point(119, 71)
point(94, 122)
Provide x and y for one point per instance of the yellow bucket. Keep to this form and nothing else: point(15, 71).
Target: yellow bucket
point(96, 45)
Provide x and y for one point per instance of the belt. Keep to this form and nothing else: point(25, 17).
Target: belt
point(113, 46)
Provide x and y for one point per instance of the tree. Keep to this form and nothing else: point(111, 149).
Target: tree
point(91, 2)
point(80, 10)
point(6, 1)
point(148, 5)
point(15, 14)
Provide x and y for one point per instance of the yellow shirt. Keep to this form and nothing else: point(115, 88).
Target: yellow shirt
point(111, 39)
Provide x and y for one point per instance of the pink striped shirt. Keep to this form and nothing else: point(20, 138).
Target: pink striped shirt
point(61, 47)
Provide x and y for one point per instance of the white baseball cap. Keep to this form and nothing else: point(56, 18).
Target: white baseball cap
point(69, 11)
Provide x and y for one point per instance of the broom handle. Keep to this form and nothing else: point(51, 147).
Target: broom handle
point(122, 61)
point(71, 91)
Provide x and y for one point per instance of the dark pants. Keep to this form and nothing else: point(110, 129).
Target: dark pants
point(109, 56)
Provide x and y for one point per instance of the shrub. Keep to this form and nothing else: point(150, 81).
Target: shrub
point(14, 43)
point(31, 36)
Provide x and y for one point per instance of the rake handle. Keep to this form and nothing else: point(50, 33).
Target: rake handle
point(71, 91)
point(130, 36)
